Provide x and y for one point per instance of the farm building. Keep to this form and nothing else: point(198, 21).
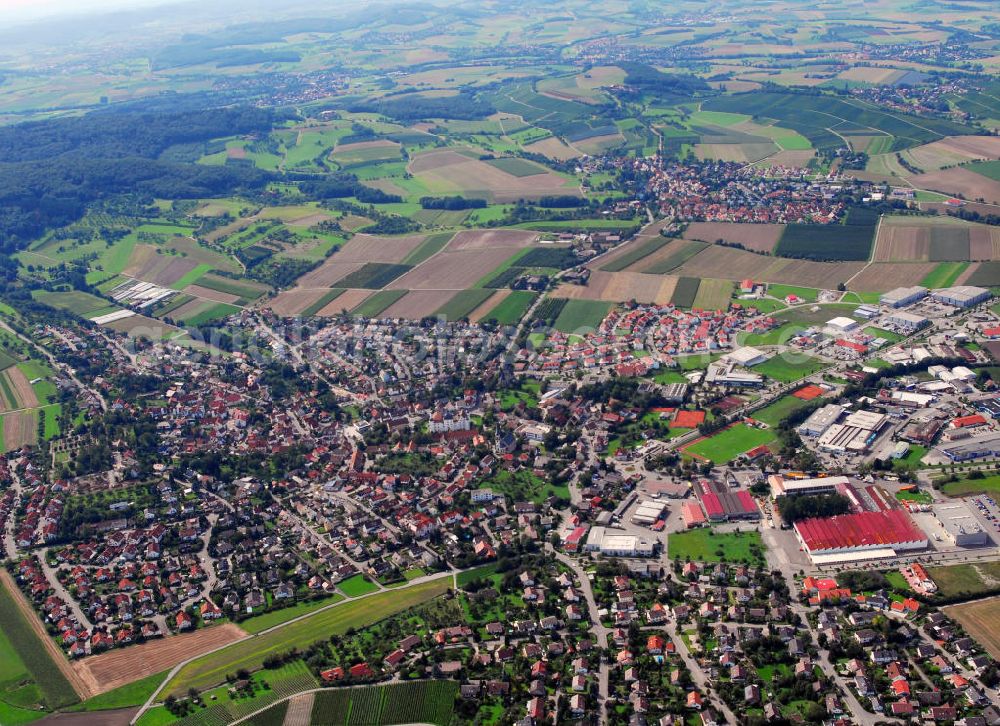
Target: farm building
point(903, 296)
point(874, 533)
point(962, 296)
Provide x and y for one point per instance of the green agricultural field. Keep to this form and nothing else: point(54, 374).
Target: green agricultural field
point(512, 308)
point(356, 586)
point(28, 675)
point(79, 303)
point(211, 669)
point(638, 252)
point(705, 545)
point(429, 247)
point(373, 275)
point(788, 367)
point(246, 289)
point(713, 294)
point(676, 259)
point(463, 303)
point(218, 311)
point(259, 623)
point(516, 167)
point(324, 300)
point(377, 303)
point(579, 315)
point(826, 242)
point(729, 444)
point(426, 702)
point(685, 292)
point(944, 275)
point(129, 695)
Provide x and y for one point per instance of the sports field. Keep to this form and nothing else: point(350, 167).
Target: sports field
point(212, 669)
point(788, 368)
point(730, 443)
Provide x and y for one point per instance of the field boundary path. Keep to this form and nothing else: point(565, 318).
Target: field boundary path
point(344, 601)
point(81, 687)
point(871, 254)
point(299, 711)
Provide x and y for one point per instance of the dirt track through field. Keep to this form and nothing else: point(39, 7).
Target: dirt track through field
point(117, 667)
point(24, 394)
point(299, 711)
point(79, 684)
point(488, 304)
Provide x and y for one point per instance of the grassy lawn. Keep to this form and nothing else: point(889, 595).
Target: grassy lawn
point(486, 571)
point(211, 669)
point(808, 294)
point(914, 496)
point(357, 585)
point(914, 455)
point(704, 545)
point(778, 411)
point(523, 486)
point(965, 487)
point(897, 580)
point(789, 368)
point(886, 334)
point(775, 336)
point(762, 306)
point(275, 617)
point(727, 445)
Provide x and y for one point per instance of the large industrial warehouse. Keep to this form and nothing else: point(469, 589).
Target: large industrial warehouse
point(876, 534)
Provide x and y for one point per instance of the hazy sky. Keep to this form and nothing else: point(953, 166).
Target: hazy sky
point(22, 9)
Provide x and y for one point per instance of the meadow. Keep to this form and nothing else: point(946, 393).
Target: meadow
point(212, 668)
point(706, 545)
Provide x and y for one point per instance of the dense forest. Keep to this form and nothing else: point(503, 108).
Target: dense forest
point(51, 170)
